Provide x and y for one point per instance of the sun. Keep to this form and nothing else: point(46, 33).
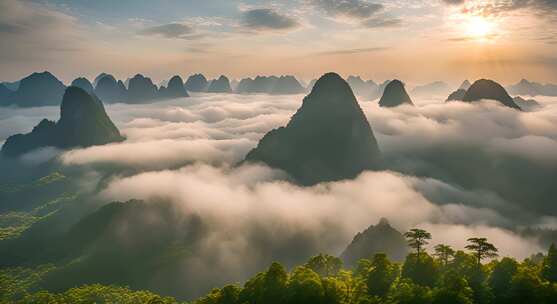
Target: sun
point(479, 27)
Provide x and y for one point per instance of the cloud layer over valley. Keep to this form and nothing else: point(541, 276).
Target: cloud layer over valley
point(446, 168)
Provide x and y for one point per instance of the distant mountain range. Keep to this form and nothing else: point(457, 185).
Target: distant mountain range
point(525, 87)
point(219, 85)
point(83, 122)
point(271, 85)
point(44, 89)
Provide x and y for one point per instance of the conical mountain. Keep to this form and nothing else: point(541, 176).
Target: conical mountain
point(489, 89)
point(83, 122)
point(457, 95)
point(141, 89)
point(220, 85)
point(327, 139)
point(83, 83)
point(197, 83)
point(109, 90)
point(395, 95)
point(465, 85)
point(175, 88)
point(38, 89)
point(99, 77)
point(381, 238)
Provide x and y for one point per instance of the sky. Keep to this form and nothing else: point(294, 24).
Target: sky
point(417, 41)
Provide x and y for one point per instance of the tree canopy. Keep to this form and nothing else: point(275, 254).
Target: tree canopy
point(446, 277)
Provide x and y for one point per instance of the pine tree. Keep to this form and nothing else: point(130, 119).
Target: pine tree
point(482, 249)
point(549, 266)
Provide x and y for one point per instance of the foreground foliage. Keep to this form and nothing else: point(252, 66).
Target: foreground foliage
point(446, 277)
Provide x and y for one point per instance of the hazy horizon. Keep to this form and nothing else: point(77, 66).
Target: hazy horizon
point(416, 41)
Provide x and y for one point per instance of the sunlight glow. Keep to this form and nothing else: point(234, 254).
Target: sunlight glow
point(479, 27)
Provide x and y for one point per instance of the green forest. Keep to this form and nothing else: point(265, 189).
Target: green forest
point(442, 275)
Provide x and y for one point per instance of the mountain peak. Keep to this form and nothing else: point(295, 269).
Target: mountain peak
point(383, 222)
point(38, 89)
point(220, 85)
point(196, 83)
point(141, 89)
point(489, 89)
point(83, 122)
point(465, 85)
point(84, 84)
point(395, 95)
point(175, 88)
point(327, 139)
point(380, 238)
point(108, 90)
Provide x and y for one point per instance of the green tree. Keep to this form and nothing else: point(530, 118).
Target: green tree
point(304, 286)
point(325, 265)
point(354, 287)
point(417, 239)
point(500, 280)
point(266, 287)
point(549, 265)
point(406, 292)
point(227, 295)
point(482, 249)
point(526, 287)
point(466, 266)
point(421, 270)
point(333, 290)
point(362, 268)
point(381, 276)
point(444, 253)
point(453, 290)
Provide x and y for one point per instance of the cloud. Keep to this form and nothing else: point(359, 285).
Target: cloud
point(253, 217)
point(382, 22)
point(456, 169)
point(471, 38)
point(490, 142)
point(266, 19)
point(32, 30)
point(536, 148)
point(160, 154)
point(363, 13)
point(357, 9)
point(475, 148)
point(170, 30)
point(453, 2)
point(352, 51)
point(543, 8)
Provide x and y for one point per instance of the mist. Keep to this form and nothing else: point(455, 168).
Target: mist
point(439, 160)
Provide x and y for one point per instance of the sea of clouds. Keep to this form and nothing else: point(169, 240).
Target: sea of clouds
point(188, 151)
